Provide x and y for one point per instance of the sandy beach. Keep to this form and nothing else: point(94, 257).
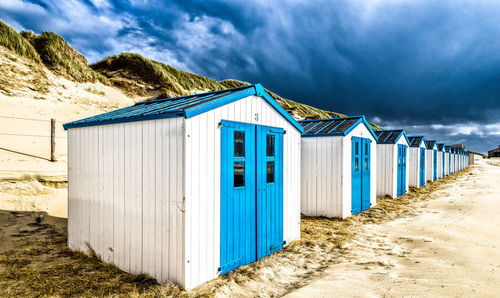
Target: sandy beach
point(437, 241)
point(449, 249)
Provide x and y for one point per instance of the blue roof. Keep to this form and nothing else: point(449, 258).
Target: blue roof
point(333, 127)
point(184, 106)
point(390, 136)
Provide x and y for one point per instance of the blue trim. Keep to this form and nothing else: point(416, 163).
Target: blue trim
point(66, 126)
point(176, 110)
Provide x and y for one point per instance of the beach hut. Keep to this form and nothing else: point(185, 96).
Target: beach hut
point(392, 160)
point(447, 160)
point(440, 161)
point(416, 161)
point(454, 159)
point(430, 160)
point(338, 166)
point(185, 189)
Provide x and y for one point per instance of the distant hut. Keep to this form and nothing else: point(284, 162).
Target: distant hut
point(440, 161)
point(431, 161)
point(416, 161)
point(338, 166)
point(494, 152)
point(392, 160)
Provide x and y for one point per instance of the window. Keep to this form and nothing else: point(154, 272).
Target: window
point(366, 147)
point(366, 164)
point(270, 145)
point(356, 166)
point(239, 143)
point(357, 149)
point(239, 173)
point(270, 172)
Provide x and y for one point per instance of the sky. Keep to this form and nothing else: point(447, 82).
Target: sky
point(430, 67)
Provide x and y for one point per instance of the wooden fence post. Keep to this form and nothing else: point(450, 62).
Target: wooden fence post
point(52, 139)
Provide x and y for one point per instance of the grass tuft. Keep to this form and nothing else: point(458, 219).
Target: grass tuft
point(61, 58)
point(15, 42)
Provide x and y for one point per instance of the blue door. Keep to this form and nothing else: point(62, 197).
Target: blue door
point(251, 224)
point(238, 196)
point(444, 163)
point(360, 199)
point(422, 166)
point(269, 190)
point(356, 176)
point(401, 179)
point(435, 166)
point(403, 170)
point(365, 179)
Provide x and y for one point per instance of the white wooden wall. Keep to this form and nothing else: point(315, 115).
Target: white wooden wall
point(125, 195)
point(321, 179)
point(386, 178)
point(429, 164)
point(362, 132)
point(414, 165)
point(202, 226)
point(387, 168)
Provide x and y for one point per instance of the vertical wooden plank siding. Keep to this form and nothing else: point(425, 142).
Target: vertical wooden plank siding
point(386, 178)
point(126, 195)
point(413, 166)
point(321, 162)
point(429, 164)
point(202, 182)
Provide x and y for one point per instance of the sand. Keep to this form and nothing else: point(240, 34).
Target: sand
point(449, 249)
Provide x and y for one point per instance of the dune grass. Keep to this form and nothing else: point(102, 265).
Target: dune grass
point(15, 42)
point(61, 58)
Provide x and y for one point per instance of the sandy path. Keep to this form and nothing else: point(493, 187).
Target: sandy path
point(449, 249)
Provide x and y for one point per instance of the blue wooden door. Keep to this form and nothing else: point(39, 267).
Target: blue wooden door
point(401, 179)
point(356, 176)
point(400, 170)
point(444, 163)
point(435, 166)
point(269, 190)
point(403, 176)
point(365, 179)
point(422, 166)
point(360, 188)
point(251, 224)
point(238, 196)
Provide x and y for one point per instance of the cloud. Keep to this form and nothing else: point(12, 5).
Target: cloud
point(414, 63)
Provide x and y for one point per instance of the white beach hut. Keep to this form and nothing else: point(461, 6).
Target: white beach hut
point(338, 166)
point(185, 189)
point(416, 161)
point(447, 160)
point(392, 161)
point(431, 161)
point(440, 161)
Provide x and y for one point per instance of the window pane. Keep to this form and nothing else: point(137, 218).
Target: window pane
point(270, 172)
point(356, 166)
point(357, 149)
point(366, 163)
point(239, 174)
point(239, 143)
point(366, 148)
point(270, 145)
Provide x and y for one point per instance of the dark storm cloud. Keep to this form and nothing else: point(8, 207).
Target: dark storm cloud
point(411, 63)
